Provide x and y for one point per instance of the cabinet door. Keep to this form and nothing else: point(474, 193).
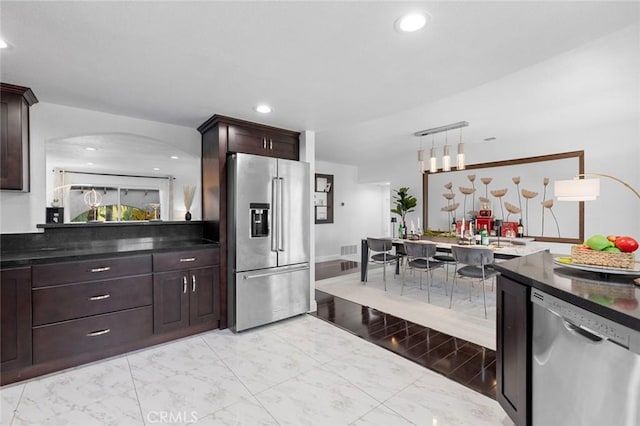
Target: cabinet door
point(513, 349)
point(170, 301)
point(15, 325)
point(282, 146)
point(246, 140)
point(204, 303)
point(14, 142)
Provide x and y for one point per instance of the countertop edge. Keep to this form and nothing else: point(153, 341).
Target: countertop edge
point(613, 315)
point(101, 253)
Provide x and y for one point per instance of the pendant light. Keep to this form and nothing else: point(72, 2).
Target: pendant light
point(433, 157)
point(460, 163)
point(446, 158)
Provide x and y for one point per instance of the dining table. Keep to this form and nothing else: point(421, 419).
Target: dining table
point(503, 248)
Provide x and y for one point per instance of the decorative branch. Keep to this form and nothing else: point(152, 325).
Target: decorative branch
point(516, 180)
point(549, 204)
point(528, 195)
point(499, 193)
point(545, 182)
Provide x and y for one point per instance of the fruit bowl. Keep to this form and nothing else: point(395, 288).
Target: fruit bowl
point(582, 256)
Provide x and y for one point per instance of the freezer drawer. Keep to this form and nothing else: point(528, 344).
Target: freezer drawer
point(267, 295)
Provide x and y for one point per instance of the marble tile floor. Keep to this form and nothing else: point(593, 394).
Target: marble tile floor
point(298, 371)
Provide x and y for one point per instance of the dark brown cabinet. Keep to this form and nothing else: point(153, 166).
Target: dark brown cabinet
point(14, 136)
point(15, 325)
point(513, 369)
point(89, 306)
point(263, 141)
point(187, 292)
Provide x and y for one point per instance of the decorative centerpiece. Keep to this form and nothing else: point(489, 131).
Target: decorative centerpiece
point(612, 251)
point(188, 191)
point(92, 199)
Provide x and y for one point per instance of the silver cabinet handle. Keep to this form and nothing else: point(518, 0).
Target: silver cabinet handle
point(103, 269)
point(264, 143)
point(99, 332)
point(193, 283)
point(188, 259)
point(270, 143)
point(184, 284)
point(101, 297)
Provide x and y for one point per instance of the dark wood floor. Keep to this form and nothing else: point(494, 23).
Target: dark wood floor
point(465, 362)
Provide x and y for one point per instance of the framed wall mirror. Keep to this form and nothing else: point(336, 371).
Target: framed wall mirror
point(517, 190)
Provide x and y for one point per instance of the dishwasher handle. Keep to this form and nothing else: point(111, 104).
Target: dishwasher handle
point(582, 331)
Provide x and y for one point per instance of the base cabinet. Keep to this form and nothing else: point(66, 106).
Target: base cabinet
point(513, 369)
point(15, 325)
point(185, 297)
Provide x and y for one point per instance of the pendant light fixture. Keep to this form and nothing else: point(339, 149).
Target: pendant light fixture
point(446, 158)
point(433, 157)
point(446, 154)
point(460, 162)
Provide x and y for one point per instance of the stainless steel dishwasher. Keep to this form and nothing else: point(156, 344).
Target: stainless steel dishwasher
point(585, 368)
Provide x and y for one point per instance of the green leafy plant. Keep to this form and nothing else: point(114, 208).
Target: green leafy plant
point(405, 203)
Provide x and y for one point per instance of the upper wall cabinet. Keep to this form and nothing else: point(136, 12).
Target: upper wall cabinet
point(252, 138)
point(14, 136)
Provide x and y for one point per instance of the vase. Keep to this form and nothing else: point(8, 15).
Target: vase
point(187, 216)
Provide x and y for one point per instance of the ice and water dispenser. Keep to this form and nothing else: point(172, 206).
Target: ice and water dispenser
point(259, 219)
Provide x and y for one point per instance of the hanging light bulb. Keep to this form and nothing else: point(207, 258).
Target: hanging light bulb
point(446, 158)
point(460, 163)
point(433, 157)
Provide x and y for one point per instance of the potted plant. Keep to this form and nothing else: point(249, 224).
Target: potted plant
point(405, 203)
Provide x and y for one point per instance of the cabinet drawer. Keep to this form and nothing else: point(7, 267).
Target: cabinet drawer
point(91, 334)
point(64, 302)
point(89, 270)
point(185, 259)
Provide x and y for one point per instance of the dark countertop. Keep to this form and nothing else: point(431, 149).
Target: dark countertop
point(111, 248)
point(614, 297)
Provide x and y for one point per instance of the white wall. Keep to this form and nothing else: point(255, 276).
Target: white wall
point(360, 211)
point(586, 99)
point(20, 212)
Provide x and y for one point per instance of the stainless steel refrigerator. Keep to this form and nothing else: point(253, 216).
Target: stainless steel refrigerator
point(268, 240)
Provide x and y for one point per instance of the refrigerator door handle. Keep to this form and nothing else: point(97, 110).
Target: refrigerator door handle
point(274, 214)
point(280, 214)
point(276, 272)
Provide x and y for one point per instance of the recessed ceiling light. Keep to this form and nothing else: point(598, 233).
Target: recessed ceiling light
point(89, 164)
point(174, 157)
point(263, 108)
point(3, 44)
point(90, 148)
point(156, 168)
point(412, 21)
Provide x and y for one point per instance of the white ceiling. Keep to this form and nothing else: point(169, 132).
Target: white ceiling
point(326, 66)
